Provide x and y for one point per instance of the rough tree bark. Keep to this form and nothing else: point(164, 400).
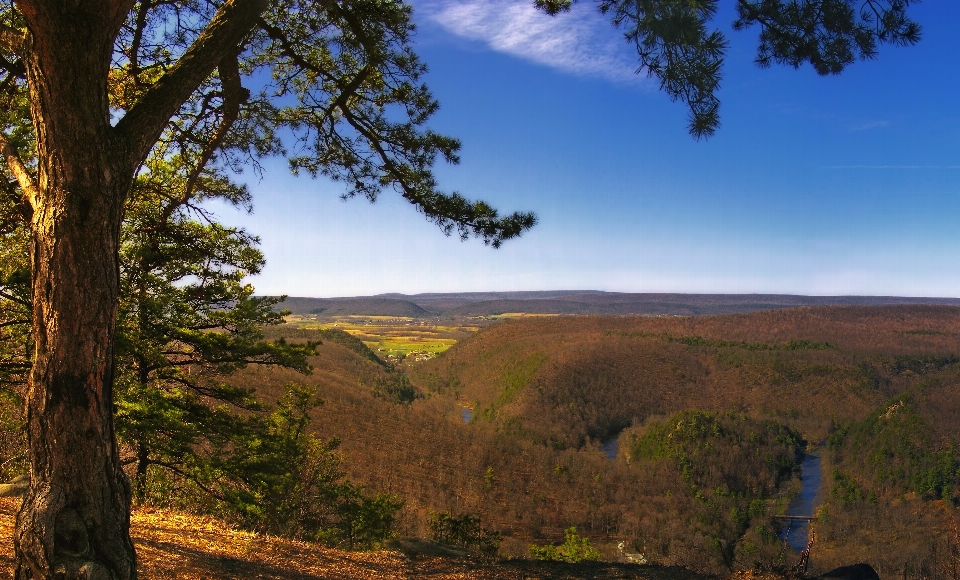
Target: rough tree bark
point(74, 522)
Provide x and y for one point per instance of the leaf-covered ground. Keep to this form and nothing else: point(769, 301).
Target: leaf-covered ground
point(176, 545)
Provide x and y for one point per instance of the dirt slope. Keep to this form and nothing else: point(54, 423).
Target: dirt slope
point(175, 545)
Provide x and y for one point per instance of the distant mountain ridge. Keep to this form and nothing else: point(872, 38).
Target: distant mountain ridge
point(579, 302)
point(368, 306)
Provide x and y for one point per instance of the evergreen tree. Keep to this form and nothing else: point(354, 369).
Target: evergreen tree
point(14, 301)
point(280, 479)
point(186, 321)
point(14, 342)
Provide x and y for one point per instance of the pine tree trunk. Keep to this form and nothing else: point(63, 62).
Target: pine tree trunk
point(74, 522)
point(140, 477)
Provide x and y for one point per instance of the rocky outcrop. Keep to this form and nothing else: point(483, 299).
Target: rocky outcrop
point(16, 488)
point(413, 547)
point(853, 572)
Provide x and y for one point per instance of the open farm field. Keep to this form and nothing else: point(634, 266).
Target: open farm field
point(390, 337)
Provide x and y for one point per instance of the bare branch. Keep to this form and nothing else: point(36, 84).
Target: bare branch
point(12, 40)
point(19, 170)
point(176, 469)
point(134, 55)
point(143, 124)
point(15, 365)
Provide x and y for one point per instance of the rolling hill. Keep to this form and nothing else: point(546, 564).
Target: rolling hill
point(809, 367)
point(365, 306)
point(475, 304)
point(546, 391)
point(872, 389)
point(710, 414)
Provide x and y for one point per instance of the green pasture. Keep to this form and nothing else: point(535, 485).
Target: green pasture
point(404, 347)
point(520, 315)
point(391, 335)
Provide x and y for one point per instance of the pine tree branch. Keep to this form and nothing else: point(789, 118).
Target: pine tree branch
point(176, 469)
point(232, 94)
point(142, 125)
point(23, 208)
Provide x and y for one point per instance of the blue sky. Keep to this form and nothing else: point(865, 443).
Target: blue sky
point(812, 185)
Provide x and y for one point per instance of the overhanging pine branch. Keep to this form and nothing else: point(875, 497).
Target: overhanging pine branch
point(142, 125)
point(232, 91)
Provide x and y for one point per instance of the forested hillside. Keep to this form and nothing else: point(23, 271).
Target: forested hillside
point(712, 416)
point(564, 381)
point(827, 373)
point(545, 392)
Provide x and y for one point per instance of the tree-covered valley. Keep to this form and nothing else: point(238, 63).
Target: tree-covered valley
point(712, 415)
point(670, 440)
point(873, 388)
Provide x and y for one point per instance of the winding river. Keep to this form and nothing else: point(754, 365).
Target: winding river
point(802, 503)
point(610, 448)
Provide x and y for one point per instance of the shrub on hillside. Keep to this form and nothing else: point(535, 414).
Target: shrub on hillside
point(361, 521)
point(573, 549)
point(277, 478)
point(285, 481)
point(464, 532)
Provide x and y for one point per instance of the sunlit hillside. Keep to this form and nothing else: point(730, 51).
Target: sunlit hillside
point(546, 392)
point(569, 379)
point(174, 545)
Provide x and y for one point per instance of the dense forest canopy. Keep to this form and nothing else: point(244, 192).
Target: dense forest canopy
point(708, 411)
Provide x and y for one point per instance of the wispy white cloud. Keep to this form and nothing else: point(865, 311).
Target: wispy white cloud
point(580, 42)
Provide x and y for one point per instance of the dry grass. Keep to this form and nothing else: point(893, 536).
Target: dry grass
point(177, 545)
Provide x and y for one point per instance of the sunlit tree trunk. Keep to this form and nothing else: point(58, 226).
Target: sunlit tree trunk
point(74, 522)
